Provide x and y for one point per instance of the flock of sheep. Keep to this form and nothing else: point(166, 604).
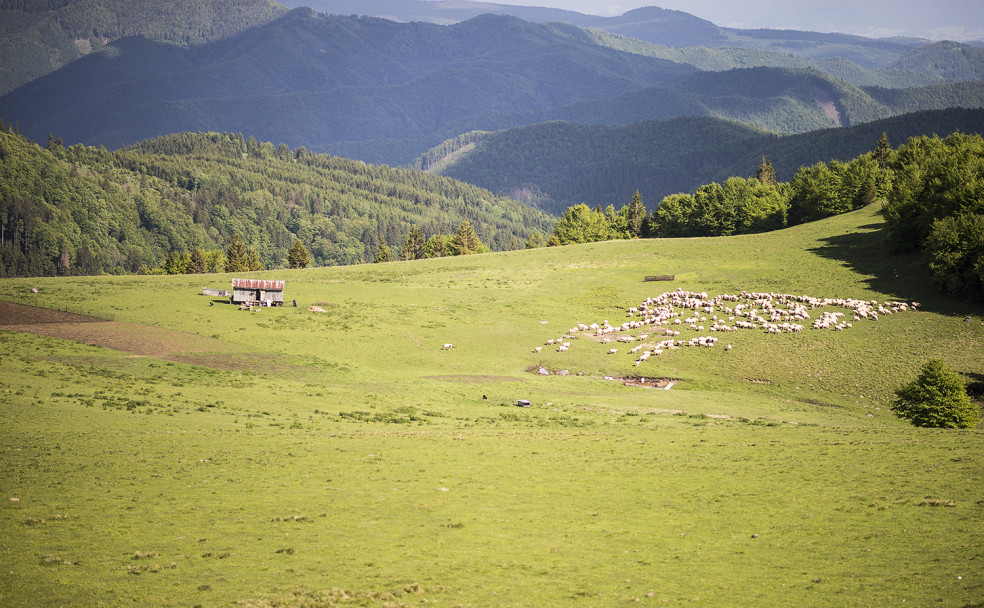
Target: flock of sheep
point(661, 319)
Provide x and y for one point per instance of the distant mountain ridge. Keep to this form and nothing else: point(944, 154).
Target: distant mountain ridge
point(37, 37)
point(649, 24)
point(557, 164)
point(317, 81)
point(385, 92)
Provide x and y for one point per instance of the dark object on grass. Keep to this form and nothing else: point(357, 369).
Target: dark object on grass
point(660, 277)
point(522, 403)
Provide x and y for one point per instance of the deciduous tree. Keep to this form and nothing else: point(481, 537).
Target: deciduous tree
point(535, 240)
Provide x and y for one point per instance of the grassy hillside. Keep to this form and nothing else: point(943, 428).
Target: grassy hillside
point(296, 458)
point(559, 164)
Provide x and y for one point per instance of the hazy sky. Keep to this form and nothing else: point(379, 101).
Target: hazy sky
point(934, 19)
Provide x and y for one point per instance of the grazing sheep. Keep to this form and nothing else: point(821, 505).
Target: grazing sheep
point(774, 313)
point(448, 346)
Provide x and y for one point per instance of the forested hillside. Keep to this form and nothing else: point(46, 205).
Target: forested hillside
point(720, 58)
point(928, 189)
point(38, 36)
point(358, 87)
point(85, 210)
point(558, 164)
point(780, 100)
point(386, 92)
point(650, 24)
point(946, 60)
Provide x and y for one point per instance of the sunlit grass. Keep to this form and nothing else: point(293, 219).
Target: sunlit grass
point(345, 458)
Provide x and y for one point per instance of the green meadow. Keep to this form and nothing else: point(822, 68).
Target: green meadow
point(294, 458)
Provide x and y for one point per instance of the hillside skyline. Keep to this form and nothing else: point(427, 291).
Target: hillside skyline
point(960, 20)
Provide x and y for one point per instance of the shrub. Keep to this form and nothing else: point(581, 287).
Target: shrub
point(937, 398)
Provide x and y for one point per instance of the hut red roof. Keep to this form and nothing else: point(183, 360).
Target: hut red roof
point(257, 284)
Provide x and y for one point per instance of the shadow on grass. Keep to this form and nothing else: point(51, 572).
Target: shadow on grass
point(903, 277)
point(975, 388)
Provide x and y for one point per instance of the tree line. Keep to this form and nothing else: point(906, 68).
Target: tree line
point(931, 190)
point(555, 165)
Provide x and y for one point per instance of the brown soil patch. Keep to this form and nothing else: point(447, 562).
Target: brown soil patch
point(827, 103)
point(650, 382)
point(19, 314)
point(143, 340)
point(127, 337)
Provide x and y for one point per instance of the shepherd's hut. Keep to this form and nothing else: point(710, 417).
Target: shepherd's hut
point(257, 291)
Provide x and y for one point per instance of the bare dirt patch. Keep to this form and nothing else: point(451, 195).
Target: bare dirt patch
point(12, 313)
point(827, 103)
point(127, 337)
point(645, 381)
point(144, 340)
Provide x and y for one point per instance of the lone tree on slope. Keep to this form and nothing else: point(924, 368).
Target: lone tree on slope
point(298, 256)
point(937, 398)
point(383, 253)
point(236, 256)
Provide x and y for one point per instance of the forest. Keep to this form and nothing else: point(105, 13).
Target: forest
point(558, 164)
point(931, 192)
point(182, 203)
point(39, 36)
point(86, 210)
